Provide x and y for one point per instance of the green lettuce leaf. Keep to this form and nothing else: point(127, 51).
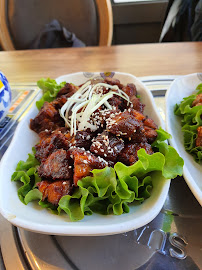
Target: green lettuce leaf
point(26, 173)
point(191, 119)
point(50, 89)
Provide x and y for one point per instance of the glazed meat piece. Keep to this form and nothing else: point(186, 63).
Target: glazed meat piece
point(197, 101)
point(117, 102)
point(44, 149)
point(99, 117)
point(83, 139)
point(68, 90)
point(54, 191)
point(150, 123)
point(57, 166)
point(113, 81)
point(107, 146)
point(199, 137)
point(47, 133)
point(84, 163)
point(150, 134)
point(56, 140)
point(124, 124)
point(130, 90)
point(48, 118)
point(129, 156)
point(138, 115)
point(59, 102)
point(137, 105)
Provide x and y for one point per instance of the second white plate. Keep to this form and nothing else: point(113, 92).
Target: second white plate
point(180, 88)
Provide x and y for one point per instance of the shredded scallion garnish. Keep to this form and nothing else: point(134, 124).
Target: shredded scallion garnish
point(78, 109)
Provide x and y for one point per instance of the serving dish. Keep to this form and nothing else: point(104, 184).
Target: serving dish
point(34, 218)
point(180, 88)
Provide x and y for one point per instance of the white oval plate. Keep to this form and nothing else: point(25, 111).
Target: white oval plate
point(33, 217)
point(180, 88)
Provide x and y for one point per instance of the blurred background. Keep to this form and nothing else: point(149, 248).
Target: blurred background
point(48, 24)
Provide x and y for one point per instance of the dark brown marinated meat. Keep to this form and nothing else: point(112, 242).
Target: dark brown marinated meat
point(117, 102)
point(107, 146)
point(197, 101)
point(57, 166)
point(45, 134)
point(84, 163)
point(99, 117)
point(124, 130)
point(48, 118)
point(59, 102)
point(137, 105)
point(44, 149)
point(113, 81)
point(130, 90)
point(83, 139)
point(111, 163)
point(138, 115)
point(150, 123)
point(56, 140)
point(129, 156)
point(125, 125)
point(54, 191)
point(150, 134)
point(68, 90)
point(199, 137)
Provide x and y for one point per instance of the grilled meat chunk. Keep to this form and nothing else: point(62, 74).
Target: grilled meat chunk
point(56, 140)
point(130, 90)
point(47, 133)
point(197, 101)
point(58, 166)
point(83, 139)
point(107, 146)
point(54, 191)
point(137, 105)
point(100, 117)
point(150, 134)
point(129, 154)
point(68, 90)
point(150, 123)
point(113, 81)
point(125, 125)
point(117, 102)
point(199, 137)
point(138, 115)
point(84, 163)
point(47, 118)
point(59, 102)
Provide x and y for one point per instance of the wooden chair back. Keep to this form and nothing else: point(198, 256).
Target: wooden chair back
point(105, 23)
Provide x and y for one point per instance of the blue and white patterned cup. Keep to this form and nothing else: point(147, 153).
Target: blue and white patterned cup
point(5, 96)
